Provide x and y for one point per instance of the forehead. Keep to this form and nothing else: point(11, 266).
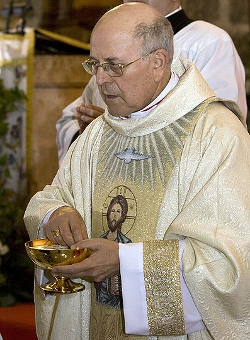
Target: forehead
point(111, 43)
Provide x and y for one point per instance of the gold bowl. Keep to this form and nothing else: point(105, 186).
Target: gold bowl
point(46, 255)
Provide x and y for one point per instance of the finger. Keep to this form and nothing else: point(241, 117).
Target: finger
point(79, 233)
point(74, 271)
point(55, 236)
point(82, 126)
point(85, 243)
point(84, 109)
point(83, 119)
point(84, 106)
point(59, 232)
point(87, 109)
point(86, 116)
point(65, 226)
point(97, 109)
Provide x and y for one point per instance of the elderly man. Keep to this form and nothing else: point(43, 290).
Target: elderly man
point(208, 46)
point(180, 157)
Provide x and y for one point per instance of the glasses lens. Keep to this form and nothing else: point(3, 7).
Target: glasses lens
point(89, 67)
point(112, 70)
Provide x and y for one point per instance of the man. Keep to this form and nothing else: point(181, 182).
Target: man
point(181, 159)
point(208, 46)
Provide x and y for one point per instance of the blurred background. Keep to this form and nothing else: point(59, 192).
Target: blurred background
point(76, 18)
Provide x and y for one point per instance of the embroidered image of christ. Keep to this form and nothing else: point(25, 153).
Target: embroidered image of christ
point(108, 292)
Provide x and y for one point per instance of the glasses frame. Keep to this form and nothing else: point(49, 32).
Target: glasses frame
point(88, 68)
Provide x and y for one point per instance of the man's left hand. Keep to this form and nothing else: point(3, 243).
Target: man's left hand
point(101, 264)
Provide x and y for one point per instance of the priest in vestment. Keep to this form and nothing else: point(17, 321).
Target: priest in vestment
point(180, 158)
point(208, 46)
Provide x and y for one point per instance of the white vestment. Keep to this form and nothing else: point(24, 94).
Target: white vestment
point(205, 205)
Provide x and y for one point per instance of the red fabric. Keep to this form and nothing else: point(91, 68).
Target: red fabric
point(18, 322)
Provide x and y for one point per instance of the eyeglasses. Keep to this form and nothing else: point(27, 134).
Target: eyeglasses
point(113, 70)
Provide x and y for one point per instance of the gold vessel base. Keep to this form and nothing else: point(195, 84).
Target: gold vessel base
point(62, 285)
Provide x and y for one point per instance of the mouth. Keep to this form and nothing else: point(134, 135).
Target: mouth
point(110, 97)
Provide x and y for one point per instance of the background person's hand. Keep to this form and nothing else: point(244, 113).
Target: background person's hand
point(65, 227)
point(86, 113)
point(101, 264)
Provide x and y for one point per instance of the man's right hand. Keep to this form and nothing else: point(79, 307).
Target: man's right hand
point(86, 113)
point(65, 227)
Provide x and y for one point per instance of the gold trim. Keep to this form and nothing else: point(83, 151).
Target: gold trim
point(163, 288)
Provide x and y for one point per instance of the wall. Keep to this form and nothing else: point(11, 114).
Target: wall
point(101, 3)
point(58, 80)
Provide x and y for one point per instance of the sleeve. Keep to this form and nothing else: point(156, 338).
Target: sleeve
point(135, 299)
point(67, 126)
point(65, 188)
point(213, 217)
point(212, 50)
point(221, 66)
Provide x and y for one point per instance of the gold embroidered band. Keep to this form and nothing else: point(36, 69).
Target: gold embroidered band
point(163, 287)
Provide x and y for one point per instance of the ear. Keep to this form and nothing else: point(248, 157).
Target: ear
point(160, 63)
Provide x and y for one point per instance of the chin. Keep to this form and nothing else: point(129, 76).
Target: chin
point(114, 111)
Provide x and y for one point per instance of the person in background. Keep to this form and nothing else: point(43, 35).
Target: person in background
point(208, 46)
point(180, 158)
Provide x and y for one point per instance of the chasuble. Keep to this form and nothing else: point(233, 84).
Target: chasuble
point(180, 175)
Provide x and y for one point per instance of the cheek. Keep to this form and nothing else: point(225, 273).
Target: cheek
point(134, 90)
point(140, 89)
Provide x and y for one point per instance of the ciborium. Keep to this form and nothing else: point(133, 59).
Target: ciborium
point(45, 255)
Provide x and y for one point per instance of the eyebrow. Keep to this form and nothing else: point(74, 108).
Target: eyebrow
point(108, 60)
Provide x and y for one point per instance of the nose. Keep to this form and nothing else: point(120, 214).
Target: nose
point(101, 76)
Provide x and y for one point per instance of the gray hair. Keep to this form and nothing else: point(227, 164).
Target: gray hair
point(155, 35)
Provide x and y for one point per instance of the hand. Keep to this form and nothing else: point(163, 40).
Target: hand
point(69, 224)
point(86, 113)
point(101, 264)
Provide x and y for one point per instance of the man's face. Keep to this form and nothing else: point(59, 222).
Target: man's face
point(136, 88)
point(115, 217)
